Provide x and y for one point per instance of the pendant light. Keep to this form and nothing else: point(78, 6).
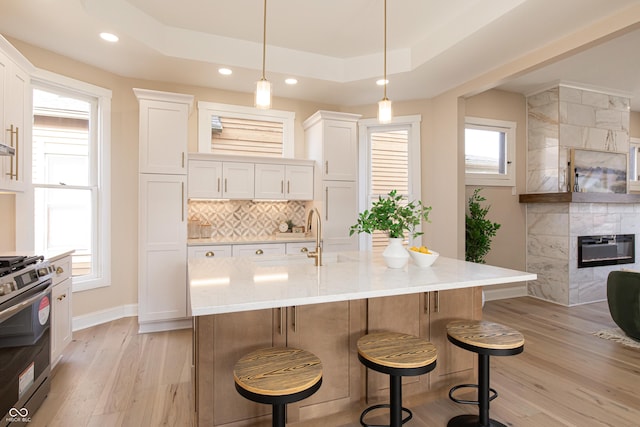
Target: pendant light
point(263, 86)
point(384, 105)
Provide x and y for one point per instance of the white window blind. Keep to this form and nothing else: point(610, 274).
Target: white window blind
point(247, 137)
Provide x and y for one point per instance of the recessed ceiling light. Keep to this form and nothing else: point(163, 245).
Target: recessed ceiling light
point(291, 81)
point(109, 37)
point(225, 71)
point(382, 82)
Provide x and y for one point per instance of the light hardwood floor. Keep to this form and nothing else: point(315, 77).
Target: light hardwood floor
point(111, 376)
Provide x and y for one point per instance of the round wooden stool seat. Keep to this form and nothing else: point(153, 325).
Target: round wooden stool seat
point(486, 339)
point(278, 376)
point(398, 355)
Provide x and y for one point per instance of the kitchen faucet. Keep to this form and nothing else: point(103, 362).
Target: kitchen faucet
point(317, 254)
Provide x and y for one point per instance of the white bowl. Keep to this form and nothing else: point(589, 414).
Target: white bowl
point(423, 260)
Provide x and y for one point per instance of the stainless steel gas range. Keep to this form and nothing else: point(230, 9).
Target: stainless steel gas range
point(25, 336)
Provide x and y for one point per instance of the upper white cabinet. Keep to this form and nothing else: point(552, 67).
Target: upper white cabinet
point(283, 182)
point(164, 121)
point(247, 178)
point(15, 117)
point(332, 141)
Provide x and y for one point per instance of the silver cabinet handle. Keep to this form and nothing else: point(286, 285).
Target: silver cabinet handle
point(436, 307)
point(225, 185)
point(304, 249)
point(282, 186)
point(426, 302)
point(183, 160)
point(326, 167)
point(210, 254)
point(281, 310)
point(288, 187)
point(218, 185)
point(293, 318)
point(259, 252)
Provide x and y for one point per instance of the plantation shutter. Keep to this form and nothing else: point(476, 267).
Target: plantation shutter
point(246, 137)
point(389, 171)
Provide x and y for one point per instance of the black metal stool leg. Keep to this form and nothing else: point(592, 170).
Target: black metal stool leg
point(279, 415)
point(395, 385)
point(483, 388)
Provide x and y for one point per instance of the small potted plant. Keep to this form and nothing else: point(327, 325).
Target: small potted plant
point(479, 231)
point(391, 215)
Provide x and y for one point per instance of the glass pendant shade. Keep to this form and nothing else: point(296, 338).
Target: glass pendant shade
point(263, 94)
point(384, 111)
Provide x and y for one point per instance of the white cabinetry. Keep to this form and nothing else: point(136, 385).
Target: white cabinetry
point(61, 310)
point(15, 118)
point(298, 248)
point(218, 251)
point(162, 223)
point(332, 141)
point(283, 182)
point(259, 249)
point(246, 178)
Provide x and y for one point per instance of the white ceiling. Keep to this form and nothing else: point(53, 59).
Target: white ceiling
point(333, 47)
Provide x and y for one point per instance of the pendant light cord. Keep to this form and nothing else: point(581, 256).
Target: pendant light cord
point(385, 49)
point(264, 37)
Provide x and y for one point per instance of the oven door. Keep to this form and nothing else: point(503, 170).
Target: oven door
point(25, 351)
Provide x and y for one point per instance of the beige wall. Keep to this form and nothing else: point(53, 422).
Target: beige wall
point(509, 245)
point(634, 125)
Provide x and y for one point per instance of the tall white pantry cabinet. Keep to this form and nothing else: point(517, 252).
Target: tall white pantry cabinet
point(162, 230)
point(332, 141)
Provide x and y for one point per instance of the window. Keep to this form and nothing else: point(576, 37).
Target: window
point(244, 131)
point(389, 159)
point(634, 172)
point(489, 152)
point(70, 167)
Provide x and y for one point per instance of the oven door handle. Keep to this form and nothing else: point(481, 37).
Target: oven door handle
point(5, 314)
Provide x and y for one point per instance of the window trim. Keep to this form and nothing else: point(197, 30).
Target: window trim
point(44, 79)
point(208, 109)
point(365, 128)
point(634, 185)
point(509, 128)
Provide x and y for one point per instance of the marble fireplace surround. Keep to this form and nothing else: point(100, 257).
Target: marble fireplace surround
point(553, 228)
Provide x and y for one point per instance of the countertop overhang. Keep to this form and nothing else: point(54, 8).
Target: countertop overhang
point(227, 285)
point(571, 197)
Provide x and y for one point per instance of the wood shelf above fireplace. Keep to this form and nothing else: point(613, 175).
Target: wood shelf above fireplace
point(579, 198)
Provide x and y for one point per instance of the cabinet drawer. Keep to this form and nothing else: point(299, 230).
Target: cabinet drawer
point(297, 248)
point(260, 249)
point(62, 269)
point(218, 251)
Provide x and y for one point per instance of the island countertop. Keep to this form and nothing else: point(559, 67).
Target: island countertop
point(227, 285)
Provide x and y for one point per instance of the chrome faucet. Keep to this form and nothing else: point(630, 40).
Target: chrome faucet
point(317, 254)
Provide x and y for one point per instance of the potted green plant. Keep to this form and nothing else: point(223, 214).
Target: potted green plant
point(478, 229)
point(394, 216)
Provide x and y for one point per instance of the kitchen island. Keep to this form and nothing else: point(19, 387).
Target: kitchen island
point(241, 304)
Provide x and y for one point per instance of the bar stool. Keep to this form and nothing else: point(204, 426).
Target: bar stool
point(277, 376)
point(398, 355)
point(486, 339)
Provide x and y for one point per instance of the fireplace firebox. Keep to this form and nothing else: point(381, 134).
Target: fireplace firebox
point(595, 251)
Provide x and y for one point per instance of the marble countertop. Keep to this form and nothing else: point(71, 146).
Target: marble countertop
point(227, 285)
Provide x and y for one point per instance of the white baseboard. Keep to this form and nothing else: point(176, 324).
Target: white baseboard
point(104, 316)
point(517, 290)
point(169, 325)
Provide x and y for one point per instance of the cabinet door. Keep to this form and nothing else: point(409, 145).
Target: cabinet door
point(443, 307)
point(60, 319)
point(163, 137)
point(220, 349)
point(324, 330)
point(163, 248)
point(16, 133)
point(269, 181)
point(205, 179)
point(300, 248)
point(218, 251)
point(238, 180)
point(340, 150)
point(260, 249)
point(299, 182)
point(340, 211)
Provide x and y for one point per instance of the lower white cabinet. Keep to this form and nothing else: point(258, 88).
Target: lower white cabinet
point(61, 307)
point(162, 271)
point(218, 251)
point(298, 248)
point(259, 249)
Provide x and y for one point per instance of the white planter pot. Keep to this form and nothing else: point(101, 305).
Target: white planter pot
point(395, 255)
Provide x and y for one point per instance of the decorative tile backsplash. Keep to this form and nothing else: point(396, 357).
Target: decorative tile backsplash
point(243, 218)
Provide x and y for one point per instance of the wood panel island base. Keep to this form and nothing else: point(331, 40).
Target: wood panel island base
point(242, 304)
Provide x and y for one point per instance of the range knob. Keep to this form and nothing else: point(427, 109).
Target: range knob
point(6, 288)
